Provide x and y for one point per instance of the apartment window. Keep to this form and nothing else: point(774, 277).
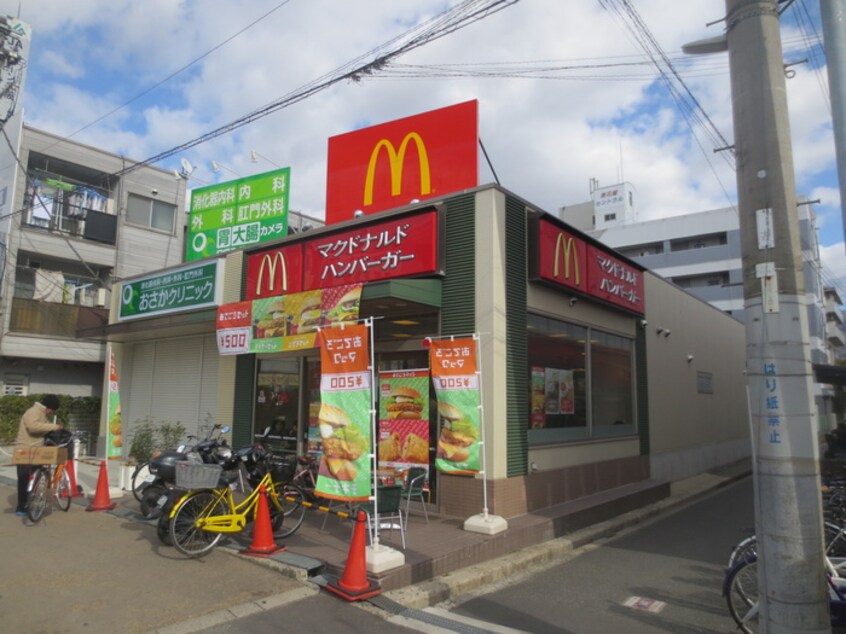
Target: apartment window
point(610, 217)
point(146, 212)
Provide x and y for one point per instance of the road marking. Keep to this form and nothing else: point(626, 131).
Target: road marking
point(645, 604)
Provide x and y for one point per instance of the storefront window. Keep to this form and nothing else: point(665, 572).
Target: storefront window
point(277, 401)
point(580, 382)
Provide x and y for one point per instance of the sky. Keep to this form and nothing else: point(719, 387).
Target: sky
point(566, 93)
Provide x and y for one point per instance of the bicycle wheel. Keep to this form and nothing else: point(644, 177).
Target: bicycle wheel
point(741, 591)
point(188, 538)
point(63, 491)
point(138, 483)
point(287, 510)
point(36, 502)
point(744, 550)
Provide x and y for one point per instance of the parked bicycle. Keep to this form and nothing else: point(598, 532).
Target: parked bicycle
point(200, 518)
point(52, 479)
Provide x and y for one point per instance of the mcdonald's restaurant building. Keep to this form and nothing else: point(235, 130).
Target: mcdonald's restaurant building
point(595, 373)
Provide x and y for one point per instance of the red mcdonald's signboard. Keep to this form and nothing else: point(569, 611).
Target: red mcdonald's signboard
point(274, 272)
point(389, 165)
point(569, 261)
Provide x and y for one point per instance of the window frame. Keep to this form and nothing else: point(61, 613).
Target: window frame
point(151, 203)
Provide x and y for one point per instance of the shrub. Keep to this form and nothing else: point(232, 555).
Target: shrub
point(170, 435)
point(143, 441)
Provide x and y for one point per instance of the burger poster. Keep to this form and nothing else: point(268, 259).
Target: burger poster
point(344, 418)
point(114, 431)
point(285, 322)
point(456, 381)
point(403, 421)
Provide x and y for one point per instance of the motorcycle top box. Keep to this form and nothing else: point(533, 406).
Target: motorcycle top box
point(164, 465)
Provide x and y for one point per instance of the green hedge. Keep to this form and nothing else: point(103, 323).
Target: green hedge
point(72, 408)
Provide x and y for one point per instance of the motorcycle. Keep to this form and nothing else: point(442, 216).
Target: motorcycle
point(162, 477)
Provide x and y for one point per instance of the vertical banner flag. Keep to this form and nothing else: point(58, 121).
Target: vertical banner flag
point(344, 418)
point(403, 421)
point(453, 364)
point(114, 428)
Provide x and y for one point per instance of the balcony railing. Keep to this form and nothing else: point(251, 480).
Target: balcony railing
point(34, 317)
point(85, 223)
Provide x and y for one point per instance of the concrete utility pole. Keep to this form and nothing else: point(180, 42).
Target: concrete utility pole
point(792, 586)
point(833, 14)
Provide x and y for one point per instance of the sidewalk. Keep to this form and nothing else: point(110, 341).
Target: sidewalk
point(441, 559)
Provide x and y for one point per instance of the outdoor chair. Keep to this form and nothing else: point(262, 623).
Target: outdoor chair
point(414, 488)
point(389, 507)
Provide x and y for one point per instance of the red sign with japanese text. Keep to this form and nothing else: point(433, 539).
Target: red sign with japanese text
point(275, 272)
point(385, 166)
point(571, 262)
point(397, 248)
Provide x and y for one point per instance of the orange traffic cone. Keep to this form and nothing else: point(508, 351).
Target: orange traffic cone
point(263, 544)
point(354, 585)
point(102, 501)
point(75, 491)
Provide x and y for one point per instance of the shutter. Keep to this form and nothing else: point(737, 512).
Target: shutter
point(177, 383)
point(136, 386)
point(207, 410)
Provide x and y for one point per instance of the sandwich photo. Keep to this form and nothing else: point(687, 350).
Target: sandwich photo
point(310, 314)
point(389, 448)
point(343, 443)
point(404, 402)
point(457, 434)
point(274, 322)
point(346, 308)
point(415, 449)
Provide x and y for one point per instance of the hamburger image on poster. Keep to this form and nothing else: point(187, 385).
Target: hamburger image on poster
point(457, 434)
point(404, 402)
point(346, 308)
point(343, 443)
point(310, 314)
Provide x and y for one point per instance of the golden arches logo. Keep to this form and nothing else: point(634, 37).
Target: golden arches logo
point(395, 162)
point(269, 263)
point(570, 249)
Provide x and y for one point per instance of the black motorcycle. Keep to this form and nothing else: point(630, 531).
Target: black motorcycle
point(162, 468)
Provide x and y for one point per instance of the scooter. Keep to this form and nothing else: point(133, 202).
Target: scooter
point(211, 450)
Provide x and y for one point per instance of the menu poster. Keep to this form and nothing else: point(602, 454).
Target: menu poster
point(538, 398)
point(453, 363)
point(345, 470)
point(559, 391)
point(403, 421)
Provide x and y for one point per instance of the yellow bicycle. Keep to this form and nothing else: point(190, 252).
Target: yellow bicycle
point(201, 517)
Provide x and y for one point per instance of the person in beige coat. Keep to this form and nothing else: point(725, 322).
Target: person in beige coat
point(34, 425)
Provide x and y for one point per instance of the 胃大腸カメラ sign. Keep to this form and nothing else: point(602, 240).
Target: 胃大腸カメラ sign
point(186, 288)
point(238, 214)
point(345, 470)
point(385, 166)
point(569, 261)
point(285, 322)
point(456, 380)
point(404, 246)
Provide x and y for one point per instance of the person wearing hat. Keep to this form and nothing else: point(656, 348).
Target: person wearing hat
point(34, 425)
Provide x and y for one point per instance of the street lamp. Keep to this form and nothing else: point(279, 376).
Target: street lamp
point(216, 167)
point(255, 156)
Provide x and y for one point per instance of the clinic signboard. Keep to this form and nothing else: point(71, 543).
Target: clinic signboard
point(416, 158)
point(238, 214)
point(186, 288)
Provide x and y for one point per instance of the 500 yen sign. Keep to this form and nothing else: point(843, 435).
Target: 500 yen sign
point(234, 340)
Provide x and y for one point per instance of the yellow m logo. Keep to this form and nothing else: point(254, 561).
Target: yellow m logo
point(566, 250)
point(395, 161)
point(269, 263)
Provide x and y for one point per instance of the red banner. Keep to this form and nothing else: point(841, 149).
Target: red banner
point(386, 166)
point(274, 272)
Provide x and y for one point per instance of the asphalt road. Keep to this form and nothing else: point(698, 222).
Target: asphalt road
point(676, 560)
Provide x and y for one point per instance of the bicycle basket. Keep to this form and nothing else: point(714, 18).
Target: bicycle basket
point(283, 469)
point(57, 438)
point(190, 475)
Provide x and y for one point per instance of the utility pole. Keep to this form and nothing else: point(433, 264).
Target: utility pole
point(793, 593)
point(792, 587)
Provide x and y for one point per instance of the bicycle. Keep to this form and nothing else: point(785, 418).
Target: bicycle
point(306, 476)
point(51, 478)
point(834, 538)
point(200, 518)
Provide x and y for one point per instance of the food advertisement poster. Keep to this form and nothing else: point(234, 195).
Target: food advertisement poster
point(344, 421)
point(538, 398)
point(403, 421)
point(284, 322)
point(559, 391)
point(114, 433)
point(456, 380)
